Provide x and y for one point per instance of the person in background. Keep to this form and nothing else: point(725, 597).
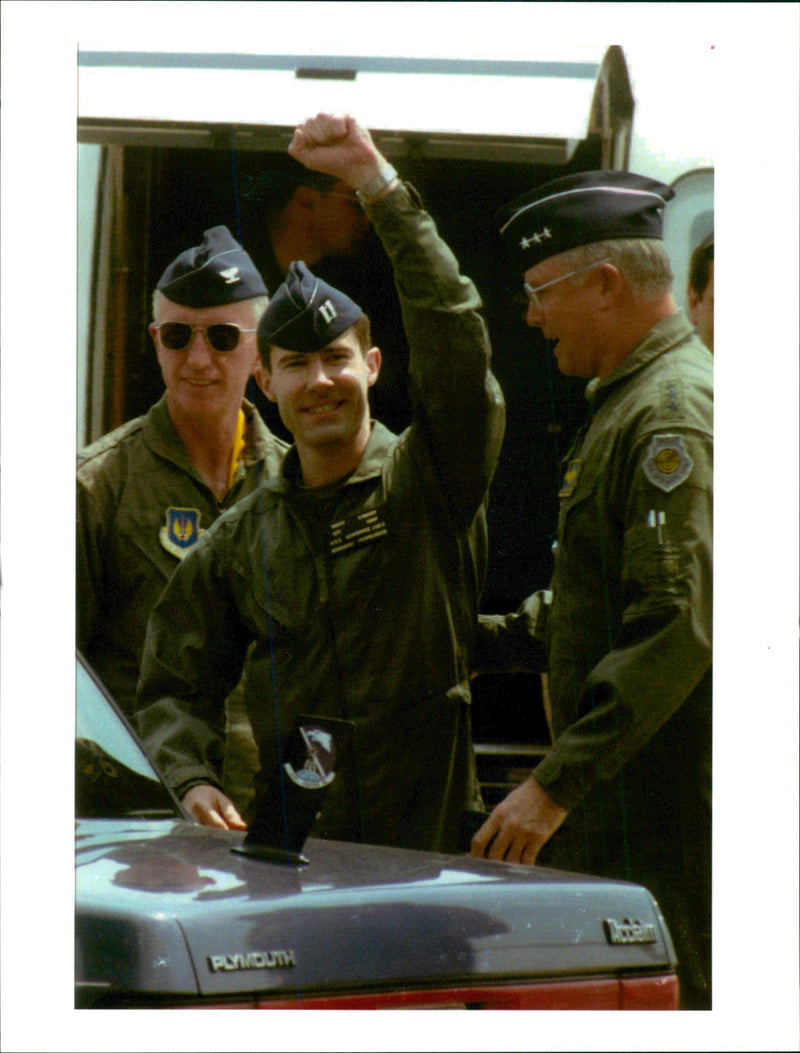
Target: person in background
point(148, 491)
point(624, 630)
point(309, 216)
point(700, 291)
point(358, 570)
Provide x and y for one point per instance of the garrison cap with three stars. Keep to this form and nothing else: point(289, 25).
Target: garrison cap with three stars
point(216, 272)
point(578, 210)
point(305, 314)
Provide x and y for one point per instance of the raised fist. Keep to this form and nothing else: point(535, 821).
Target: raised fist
point(338, 146)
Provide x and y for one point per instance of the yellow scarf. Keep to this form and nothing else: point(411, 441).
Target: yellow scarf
point(238, 445)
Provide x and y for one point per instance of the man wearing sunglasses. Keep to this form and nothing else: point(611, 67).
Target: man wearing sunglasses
point(357, 571)
point(624, 631)
point(150, 489)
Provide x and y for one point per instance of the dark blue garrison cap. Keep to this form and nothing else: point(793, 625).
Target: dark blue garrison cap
point(579, 209)
point(305, 314)
point(214, 273)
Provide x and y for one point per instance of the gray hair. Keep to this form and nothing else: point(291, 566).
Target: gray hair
point(642, 262)
point(260, 304)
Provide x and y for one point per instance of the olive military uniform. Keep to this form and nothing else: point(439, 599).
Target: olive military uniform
point(628, 638)
point(362, 597)
point(630, 620)
point(141, 507)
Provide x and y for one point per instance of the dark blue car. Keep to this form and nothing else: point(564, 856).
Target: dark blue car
point(170, 914)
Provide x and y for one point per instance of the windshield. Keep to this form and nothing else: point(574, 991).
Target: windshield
point(113, 777)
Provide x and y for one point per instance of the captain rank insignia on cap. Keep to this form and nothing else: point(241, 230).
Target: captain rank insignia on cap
point(668, 462)
point(182, 530)
point(305, 314)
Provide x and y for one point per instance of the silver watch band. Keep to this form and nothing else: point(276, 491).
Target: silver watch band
point(367, 193)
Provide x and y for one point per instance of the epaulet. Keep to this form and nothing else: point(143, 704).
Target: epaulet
point(109, 441)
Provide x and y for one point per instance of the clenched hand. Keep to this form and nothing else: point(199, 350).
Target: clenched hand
point(338, 146)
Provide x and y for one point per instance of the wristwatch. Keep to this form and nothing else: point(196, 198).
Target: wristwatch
point(367, 193)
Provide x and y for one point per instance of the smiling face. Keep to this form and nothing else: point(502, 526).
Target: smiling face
point(203, 384)
point(323, 396)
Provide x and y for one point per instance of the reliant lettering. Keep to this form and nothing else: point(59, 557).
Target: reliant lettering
point(628, 931)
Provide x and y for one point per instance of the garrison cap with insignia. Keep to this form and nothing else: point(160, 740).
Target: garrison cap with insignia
point(216, 272)
point(305, 314)
point(578, 210)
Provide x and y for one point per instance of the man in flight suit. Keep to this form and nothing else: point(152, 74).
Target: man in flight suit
point(358, 570)
point(149, 490)
point(624, 632)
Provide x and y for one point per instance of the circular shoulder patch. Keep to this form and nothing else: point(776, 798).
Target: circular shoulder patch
point(667, 463)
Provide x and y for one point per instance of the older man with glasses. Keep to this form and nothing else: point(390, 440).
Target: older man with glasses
point(624, 631)
point(148, 490)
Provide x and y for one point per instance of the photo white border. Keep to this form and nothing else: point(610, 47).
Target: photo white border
point(753, 110)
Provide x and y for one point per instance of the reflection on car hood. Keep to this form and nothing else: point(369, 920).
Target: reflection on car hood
point(166, 906)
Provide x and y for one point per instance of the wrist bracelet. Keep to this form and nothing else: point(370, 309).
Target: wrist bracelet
point(367, 193)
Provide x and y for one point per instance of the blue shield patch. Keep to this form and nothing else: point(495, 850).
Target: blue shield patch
point(182, 530)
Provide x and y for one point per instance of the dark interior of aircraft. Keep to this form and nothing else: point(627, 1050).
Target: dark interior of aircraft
point(171, 195)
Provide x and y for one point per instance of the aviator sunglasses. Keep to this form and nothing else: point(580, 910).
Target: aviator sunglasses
point(221, 336)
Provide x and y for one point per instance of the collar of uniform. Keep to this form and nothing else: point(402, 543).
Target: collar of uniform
point(162, 438)
point(381, 441)
point(664, 335)
point(258, 439)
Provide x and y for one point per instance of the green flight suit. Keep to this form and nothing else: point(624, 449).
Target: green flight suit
point(378, 629)
point(126, 551)
point(626, 638)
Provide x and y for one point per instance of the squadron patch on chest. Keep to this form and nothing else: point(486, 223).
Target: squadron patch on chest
point(668, 462)
point(182, 530)
point(361, 529)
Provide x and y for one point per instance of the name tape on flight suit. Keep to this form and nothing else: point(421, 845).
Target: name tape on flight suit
point(361, 529)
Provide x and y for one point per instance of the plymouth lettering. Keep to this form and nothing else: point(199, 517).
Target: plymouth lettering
point(250, 960)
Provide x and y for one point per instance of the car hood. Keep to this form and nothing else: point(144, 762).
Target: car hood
point(167, 906)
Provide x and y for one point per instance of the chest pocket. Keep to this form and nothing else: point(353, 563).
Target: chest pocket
point(139, 555)
point(587, 536)
point(273, 590)
point(579, 481)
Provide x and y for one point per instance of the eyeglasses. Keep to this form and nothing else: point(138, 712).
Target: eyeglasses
point(221, 336)
point(533, 292)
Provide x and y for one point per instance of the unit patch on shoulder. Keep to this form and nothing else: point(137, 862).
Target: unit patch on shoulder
point(668, 463)
point(182, 530)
